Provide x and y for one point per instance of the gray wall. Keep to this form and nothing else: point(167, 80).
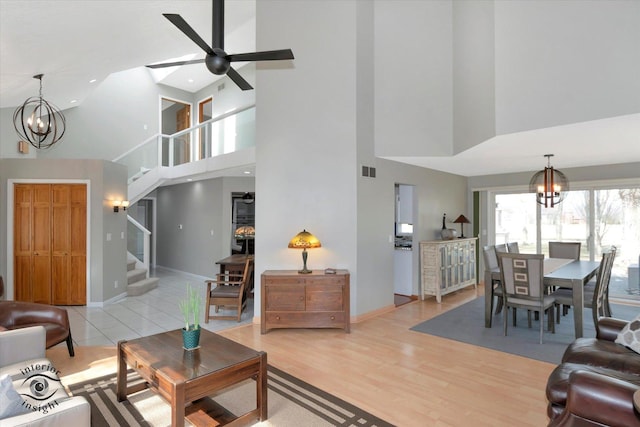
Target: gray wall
point(203, 209)
point(107, 181)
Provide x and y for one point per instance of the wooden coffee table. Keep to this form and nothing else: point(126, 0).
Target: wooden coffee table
point(186, 378)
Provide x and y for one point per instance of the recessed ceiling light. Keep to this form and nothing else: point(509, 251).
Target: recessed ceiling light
point(247, 172)
point(189, 179)
point(73, 101)
point(93, 80)
point(190, 80)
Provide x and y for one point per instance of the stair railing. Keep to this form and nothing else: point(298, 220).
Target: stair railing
point(139, 242)
point(228, 132)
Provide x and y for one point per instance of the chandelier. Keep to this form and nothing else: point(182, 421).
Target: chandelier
point(550, 185)
point(38, 121)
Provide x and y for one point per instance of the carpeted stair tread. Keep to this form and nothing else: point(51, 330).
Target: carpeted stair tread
point(135, 275)
point(142, 286)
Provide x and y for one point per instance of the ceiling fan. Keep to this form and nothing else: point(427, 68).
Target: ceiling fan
point(217, 60)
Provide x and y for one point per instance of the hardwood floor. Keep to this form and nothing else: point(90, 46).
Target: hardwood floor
point(407, 378)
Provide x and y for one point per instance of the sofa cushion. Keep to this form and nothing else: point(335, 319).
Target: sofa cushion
point(11, 404)
point(595, 352)
point(629, 336)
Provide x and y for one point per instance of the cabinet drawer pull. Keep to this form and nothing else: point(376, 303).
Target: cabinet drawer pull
point(277, 317)
point(301, 298)
point(333, 317)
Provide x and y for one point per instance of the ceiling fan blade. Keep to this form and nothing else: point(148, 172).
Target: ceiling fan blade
point(175, 64)
point(238, 79)
point(188, 31)
point(269, 55)
point(217, 19)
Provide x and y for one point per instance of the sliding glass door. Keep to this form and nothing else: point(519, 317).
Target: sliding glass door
point(617, 223)
point(567, 222)
point(596, 217)
point(515, 220)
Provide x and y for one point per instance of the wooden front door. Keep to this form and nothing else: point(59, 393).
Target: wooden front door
point(50, 243)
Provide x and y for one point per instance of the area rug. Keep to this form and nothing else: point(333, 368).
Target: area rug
point(466, 324)
point(291, 403)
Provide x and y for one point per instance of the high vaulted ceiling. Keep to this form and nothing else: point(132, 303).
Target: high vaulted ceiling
point(75, 42)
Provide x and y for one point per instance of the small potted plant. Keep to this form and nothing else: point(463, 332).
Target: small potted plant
point(190, 308)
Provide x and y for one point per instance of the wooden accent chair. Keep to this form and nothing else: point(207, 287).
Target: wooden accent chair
point(523, 286)
point(596, 295)
point(230, 290)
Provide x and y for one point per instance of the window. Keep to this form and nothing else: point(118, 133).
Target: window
point(596, 217)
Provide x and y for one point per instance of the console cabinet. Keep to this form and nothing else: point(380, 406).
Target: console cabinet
point(293, 300)
point(447, 265)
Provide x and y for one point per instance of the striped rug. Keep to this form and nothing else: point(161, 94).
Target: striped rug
point(291, 402)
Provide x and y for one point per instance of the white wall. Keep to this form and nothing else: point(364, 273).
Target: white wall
point(305, 126)
point(561, 62)
point(413, 78)
point(473, 73)
point(122, 112)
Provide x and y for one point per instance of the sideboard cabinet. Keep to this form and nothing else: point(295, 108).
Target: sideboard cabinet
point(293, 300)
point(447, 265)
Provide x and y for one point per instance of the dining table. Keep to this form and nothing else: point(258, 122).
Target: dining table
point(558, 272)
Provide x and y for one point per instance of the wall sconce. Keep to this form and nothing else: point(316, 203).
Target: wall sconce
point(117, 204)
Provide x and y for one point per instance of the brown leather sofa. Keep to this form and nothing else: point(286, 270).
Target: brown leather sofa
point(18, 314)
point(595, 383)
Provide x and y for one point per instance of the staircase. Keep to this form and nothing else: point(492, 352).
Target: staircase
point(137, 281)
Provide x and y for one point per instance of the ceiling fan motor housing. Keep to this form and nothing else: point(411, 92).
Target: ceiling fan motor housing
point(217, 63)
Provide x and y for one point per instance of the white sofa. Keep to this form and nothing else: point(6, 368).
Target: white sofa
point(45, 401)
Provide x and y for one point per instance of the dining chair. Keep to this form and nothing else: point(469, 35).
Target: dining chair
point(230, 291)
point(513, 248)
point(596, 295)
point(501, 249)
point(522, 279)
point(566, 250)
point(491, 263)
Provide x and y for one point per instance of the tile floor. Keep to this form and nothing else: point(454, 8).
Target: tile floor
point(133, 317)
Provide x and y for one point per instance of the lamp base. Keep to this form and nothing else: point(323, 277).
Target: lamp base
point(305, 271)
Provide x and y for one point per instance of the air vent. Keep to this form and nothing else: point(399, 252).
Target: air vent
point(369, 171)
point(220, 87)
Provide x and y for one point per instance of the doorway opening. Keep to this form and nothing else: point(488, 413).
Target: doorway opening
point(403, 271)
point(205, 112)
point(175, 116)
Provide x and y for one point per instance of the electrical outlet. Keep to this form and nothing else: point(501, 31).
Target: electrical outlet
point(122, 234)
point(115, 284)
